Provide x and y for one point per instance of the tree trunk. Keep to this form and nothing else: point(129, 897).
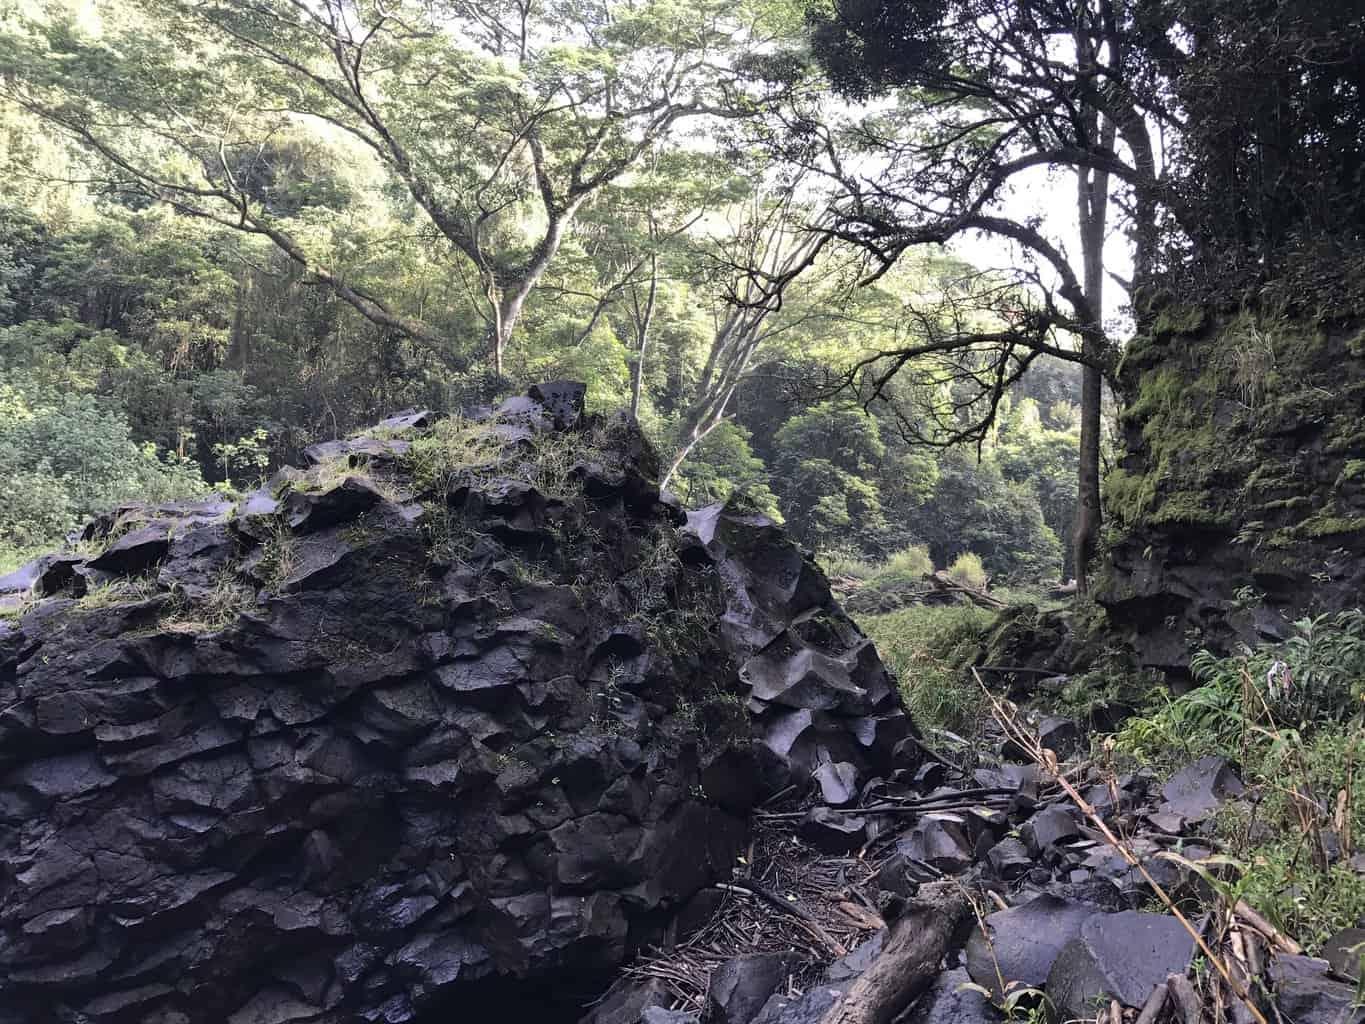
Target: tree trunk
point(643, 319)
point(239, 346)
point(507, 310)
point(1092, 194)
point(1088, 513)
point(695, 436)
point(508, 291)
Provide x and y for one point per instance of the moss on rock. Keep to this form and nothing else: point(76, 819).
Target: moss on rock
point(1242, 435)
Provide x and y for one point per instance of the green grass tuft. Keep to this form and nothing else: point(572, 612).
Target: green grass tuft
point(968, 571)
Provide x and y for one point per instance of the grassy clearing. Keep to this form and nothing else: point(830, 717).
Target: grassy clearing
point(929, 648)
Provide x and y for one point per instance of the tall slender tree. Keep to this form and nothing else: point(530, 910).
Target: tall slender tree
point(774, 241)
point(987, 92)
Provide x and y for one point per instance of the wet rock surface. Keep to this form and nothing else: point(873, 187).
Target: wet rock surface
point(404, 726)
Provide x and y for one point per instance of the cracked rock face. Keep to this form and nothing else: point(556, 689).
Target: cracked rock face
point(463, 701)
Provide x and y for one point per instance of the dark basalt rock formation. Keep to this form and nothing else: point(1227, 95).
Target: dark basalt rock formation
point(1025, 941)
point(1117, 956)
point(462, 703)
point(1239, 502)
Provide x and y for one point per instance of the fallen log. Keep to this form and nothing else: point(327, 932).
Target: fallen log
point(1156, 1002)
point(1187, 1002)
point(941, 583)
point(909, 959)
point(1277, 938)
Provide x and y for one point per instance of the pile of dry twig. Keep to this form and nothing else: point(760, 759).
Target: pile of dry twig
point(785, 897)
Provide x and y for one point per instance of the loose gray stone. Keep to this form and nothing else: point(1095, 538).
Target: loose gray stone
point(1049, 827)
point(838, 783)
point(831, 832)
point(1345, 951)
point(1024, 943)
point(1196, 791)
point(1306, 995)
point(1009, 858)
point(1117, 956)
point(947, 1002)
point(739, 988)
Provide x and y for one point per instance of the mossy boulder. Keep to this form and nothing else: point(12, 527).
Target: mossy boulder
point(1238, 502)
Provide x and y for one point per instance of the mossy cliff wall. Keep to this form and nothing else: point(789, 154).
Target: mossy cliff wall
point(1238, 501)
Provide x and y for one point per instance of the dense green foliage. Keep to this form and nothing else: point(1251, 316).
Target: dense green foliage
point(172, 309)
point(1293, 716)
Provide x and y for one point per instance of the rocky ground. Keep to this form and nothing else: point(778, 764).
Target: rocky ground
point(1063, 923)
point(466, 719)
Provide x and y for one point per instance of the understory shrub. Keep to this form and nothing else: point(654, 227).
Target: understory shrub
point(71, 457)
point(968, 571)
point(1315, 677)
point(908, 565)
point(842, 563)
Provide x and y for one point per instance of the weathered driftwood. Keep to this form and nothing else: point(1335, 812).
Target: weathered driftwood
point(1277, 938)
point(940, 582)
point(909, 959)
point(1187, 1002)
